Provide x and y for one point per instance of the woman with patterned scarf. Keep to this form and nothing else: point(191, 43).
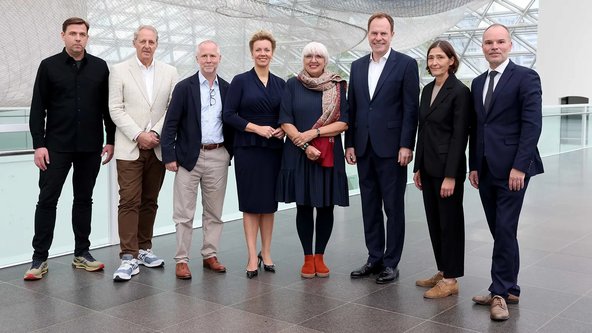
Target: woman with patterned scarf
point(313, 114)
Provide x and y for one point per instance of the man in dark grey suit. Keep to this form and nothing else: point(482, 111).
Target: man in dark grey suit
point(383, 101)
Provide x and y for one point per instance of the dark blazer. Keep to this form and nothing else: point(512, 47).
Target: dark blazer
point(443, 129)
point(389, 120)
point(181, 133)
point(508, 134)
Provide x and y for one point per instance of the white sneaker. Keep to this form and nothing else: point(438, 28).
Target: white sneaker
point(128, 268)
point(148, 259)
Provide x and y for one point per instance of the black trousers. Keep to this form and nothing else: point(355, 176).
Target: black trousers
point(51, 181)
point(305, 224)
point(446, 224)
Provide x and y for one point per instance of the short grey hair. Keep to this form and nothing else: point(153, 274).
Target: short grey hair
point(316, 48)
point(147, 27)
point(207, 41)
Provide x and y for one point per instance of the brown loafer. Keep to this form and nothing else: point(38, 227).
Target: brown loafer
point(498, 310)
point(213, 264)
point(431, 282)
point(182, 271)
point(486, 299)
point(442, 289)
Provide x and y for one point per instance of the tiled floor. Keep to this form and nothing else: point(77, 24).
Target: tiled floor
point(556, 278)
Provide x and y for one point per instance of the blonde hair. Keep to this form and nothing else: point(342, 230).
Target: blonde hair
point(262, 35)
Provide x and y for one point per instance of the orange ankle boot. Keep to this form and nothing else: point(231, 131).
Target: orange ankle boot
point(308, 269)
point(321, 269)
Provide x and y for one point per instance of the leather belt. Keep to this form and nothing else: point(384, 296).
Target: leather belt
point(211, 146)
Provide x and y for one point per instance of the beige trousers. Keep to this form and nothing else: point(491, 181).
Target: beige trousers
point(210, 173)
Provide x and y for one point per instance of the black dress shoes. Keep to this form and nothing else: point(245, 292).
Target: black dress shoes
point(388, 275)
point(366, 270)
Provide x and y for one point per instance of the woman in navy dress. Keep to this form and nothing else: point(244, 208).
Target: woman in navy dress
point(440, 166)
point(252, 108)
point(314, 114)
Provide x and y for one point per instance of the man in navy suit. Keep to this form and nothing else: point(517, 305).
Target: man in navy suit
point(503, 155)
point(198, 147)
point(383, 101)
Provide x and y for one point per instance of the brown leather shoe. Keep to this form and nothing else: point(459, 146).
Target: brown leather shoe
point(498, 310)
point(431, 282)
point(442, 289)
point(213, 264)
point(486, 299)
point(182, 271)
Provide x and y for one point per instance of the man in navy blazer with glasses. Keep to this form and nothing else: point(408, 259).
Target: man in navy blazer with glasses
point(503, 155)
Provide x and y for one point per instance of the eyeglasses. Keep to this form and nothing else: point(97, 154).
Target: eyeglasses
point(212, 97)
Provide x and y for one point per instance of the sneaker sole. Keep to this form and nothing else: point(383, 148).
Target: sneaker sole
point(33, 277)
point(322, 275)
point(151, 265)
point(88, 268)
point(118, 278)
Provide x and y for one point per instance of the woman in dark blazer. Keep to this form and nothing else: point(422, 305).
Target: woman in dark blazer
point(252, 108)
point(440, 166)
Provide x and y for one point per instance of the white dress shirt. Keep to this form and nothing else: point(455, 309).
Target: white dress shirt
point(374, 70)
point(500, 70)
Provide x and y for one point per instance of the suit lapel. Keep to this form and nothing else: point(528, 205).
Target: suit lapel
point(364, 75)
point(196, 96)
point(478, 93)
point(502, 83)
point(157, 81)
point(137, 76)
point(443, 93)
point(388, 68)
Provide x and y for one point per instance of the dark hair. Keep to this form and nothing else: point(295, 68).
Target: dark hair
point(382, 15)
point(74, 20)
point(262, 35)
point(447, 48)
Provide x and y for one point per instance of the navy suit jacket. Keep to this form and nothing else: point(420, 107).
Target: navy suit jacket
point(181, 133)
point(444, 129)
point(508, 134)
point(389, 120)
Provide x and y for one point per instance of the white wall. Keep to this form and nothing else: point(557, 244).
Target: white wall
point(564, 56)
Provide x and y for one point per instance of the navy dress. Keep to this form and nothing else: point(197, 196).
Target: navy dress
point(301, 180)
point(256, 159)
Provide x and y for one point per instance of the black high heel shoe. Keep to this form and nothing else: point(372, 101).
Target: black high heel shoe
point(267, 268)
point(252, 274)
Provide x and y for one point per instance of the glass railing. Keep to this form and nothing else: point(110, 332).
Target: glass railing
point(565, 128)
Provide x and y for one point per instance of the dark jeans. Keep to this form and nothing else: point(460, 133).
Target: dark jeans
point(51, 181)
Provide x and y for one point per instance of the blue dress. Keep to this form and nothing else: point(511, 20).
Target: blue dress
point(256, 159)
point(301, 180)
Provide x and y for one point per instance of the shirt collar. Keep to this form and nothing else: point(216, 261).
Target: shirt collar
point(501, 68)
point(385, 56)
point(142, 65)
point(69, 59)
point(203, 80)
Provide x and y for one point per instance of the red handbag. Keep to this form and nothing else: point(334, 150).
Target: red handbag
point(325, 146)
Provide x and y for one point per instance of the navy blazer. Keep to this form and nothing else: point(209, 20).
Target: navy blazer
point(444, 129)
point(389, 120)
point(508, 134)
point(181, 133)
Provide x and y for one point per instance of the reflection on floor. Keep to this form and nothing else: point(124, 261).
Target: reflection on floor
point(556, 278)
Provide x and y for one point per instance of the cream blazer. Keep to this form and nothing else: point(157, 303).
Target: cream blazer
point(130, 107)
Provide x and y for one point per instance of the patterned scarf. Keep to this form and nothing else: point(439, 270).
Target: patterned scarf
point(328, 84)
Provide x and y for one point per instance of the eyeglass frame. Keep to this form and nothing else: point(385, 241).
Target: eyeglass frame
point(212, 97)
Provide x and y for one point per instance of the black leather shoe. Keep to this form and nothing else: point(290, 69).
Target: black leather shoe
point(366, 270)
point(388, 275)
